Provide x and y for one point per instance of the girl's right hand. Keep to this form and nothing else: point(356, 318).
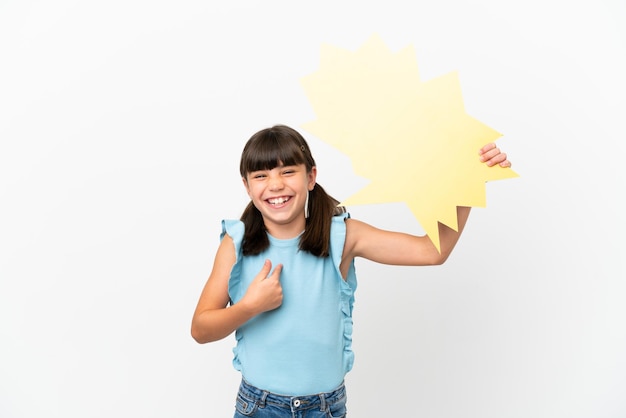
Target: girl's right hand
point(265, 293)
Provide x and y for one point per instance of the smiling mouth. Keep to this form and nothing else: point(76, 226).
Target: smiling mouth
point(278, 200)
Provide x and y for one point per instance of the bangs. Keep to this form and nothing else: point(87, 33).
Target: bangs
point(269, 149)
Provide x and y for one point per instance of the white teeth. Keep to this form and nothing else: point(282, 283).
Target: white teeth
point(278, 201)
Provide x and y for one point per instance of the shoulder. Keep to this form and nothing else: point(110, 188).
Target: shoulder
point(338, 220)
point(232, 227)
point(355, 227)
point(355, 231)
point(365, 240)
point(231, 239)
point(227, 250)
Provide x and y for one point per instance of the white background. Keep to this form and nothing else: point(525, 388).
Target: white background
point(121, 126)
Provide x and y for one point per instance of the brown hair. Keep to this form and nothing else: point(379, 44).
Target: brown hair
point(266, 150)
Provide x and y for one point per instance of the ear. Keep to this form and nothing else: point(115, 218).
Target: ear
point(245, 184)
point(312, 176)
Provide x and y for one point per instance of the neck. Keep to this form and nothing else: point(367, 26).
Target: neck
point(286, 231)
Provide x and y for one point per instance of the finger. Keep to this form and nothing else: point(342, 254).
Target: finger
point(265, 270)
point(506, 164)
point(496, 159)
point(276, 273)
point(487, 148)
point(489, 154)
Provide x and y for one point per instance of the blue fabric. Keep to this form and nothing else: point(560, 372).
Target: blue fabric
point(305, 345)
point(258, 403)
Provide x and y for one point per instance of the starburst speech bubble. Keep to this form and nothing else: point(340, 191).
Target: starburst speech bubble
point(412, 140)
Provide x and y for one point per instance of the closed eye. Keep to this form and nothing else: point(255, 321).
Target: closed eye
point(289, 170)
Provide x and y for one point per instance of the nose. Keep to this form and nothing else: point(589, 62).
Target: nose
point(276, 183)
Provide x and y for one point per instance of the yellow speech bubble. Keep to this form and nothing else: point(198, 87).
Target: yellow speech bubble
point(412, 140)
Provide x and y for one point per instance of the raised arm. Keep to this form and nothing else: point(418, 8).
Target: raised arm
point(398, 248)
point(213, 319)
point(387, 247)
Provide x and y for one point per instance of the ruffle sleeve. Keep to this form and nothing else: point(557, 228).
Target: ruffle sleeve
point(348, 286)
point(235, 230)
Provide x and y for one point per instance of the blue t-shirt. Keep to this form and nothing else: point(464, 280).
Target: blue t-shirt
point(304, 346)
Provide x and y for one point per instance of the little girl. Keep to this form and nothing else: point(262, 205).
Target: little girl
point(284, 279)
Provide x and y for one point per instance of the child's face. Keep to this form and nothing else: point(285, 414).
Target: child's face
point(280, 195)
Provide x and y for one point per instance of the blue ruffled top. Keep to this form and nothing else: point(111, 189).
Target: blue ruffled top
point(304, 346)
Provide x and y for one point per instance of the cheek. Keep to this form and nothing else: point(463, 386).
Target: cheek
point(253, 192)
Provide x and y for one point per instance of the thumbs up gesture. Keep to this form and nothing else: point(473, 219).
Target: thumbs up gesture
point(265, 293)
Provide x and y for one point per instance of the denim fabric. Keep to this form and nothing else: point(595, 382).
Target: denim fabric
point(258, 403)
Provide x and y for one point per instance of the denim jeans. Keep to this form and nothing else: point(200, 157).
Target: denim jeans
point(259, 403)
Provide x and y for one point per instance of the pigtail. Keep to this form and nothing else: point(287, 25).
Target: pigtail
point(316, 236)
point(255, 236)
